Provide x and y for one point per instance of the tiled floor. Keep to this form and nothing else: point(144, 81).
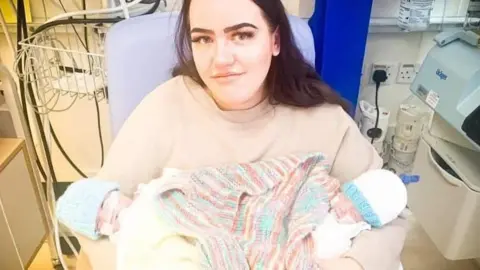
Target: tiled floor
point(419, 254)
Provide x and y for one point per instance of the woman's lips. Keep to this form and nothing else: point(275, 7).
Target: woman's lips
point(226, 77)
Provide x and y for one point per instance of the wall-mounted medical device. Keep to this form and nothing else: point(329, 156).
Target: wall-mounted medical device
point(449, 82)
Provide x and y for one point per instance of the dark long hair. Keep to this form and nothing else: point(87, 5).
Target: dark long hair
point(291, 80)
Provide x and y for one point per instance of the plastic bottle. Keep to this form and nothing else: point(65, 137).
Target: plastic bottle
point(414, 15)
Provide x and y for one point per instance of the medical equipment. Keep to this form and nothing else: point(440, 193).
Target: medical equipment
point(449, 82)
point(446, 200)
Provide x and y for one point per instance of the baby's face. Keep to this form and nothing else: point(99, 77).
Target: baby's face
point(345, 211)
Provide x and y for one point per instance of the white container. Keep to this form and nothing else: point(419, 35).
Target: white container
point(401, 161)
point(414, 15)
point(410, 122)
point(448, 208)
point(403, 145)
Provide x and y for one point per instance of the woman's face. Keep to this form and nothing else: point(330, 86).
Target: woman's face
point(232, 48)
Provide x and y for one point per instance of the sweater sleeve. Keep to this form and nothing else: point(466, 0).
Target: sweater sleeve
point(79, 205)
point(139, 150)
point(377, 249)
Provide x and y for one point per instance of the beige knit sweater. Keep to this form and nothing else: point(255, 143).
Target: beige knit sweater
point(179, 126)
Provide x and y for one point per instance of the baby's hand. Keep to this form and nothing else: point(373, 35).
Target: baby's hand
point(108, 216)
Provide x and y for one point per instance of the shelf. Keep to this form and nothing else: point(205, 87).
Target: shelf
point(9, 147)
point(389, 25)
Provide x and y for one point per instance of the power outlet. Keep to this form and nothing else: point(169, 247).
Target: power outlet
point(406, 73)
point(390, 68)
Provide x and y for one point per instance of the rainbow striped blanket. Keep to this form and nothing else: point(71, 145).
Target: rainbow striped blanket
point(250, 216)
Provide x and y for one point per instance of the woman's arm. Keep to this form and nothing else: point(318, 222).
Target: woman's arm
point(378, 249)
point(136, 156)
point(139, 150)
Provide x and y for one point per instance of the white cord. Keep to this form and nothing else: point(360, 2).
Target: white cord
point(58, 246)
point(124, 7)
point(69, 243)
point(51, 198)
point(90, 12)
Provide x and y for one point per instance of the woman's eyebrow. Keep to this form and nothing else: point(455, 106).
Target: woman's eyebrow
point(226, 30)
point(238, 26)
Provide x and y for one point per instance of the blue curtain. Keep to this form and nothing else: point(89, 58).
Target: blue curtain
point(340, 30)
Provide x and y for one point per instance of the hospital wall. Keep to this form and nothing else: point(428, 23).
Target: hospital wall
point(77, 127)
point(392, 48)
point(385, 45)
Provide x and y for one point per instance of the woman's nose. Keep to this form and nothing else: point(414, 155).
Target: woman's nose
point(223, 53)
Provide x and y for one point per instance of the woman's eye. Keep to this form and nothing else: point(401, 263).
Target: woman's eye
point(241, 36)
point(201, 40)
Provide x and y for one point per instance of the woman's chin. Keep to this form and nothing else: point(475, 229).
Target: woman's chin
point(236, 104)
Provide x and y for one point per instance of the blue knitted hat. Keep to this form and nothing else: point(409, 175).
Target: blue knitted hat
point(354, 194)
point(79, 205)
point(379, 195)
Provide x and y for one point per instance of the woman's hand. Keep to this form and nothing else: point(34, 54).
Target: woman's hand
point(340, 264)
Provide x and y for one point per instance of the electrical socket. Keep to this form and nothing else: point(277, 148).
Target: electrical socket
point(406, 73)
point(390, 68)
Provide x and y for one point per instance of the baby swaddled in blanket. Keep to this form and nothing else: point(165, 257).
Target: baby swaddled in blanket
point(281, 213)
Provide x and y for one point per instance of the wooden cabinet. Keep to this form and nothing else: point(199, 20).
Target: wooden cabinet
point(23, 226)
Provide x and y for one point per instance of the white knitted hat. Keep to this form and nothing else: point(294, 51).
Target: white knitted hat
point(379, 195)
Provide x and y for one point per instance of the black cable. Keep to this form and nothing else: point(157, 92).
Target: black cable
point(74, 28)
point(67, 157)
point(379, 76)
point(99, 125)
point(377, 87)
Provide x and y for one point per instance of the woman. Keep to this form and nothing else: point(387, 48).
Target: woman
point(242, 92)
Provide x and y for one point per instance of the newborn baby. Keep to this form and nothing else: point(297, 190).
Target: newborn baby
point(373, 200)
point(144, 242)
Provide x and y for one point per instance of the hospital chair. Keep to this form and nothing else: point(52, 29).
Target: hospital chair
point(140, 54)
